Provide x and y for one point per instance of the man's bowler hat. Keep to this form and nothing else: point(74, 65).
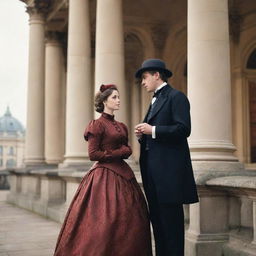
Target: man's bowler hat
point(153, 64)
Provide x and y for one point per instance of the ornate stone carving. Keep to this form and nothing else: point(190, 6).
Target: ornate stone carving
point(42, 5)
point(39, 7)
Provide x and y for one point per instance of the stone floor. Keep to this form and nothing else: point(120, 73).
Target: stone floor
point(23, 233)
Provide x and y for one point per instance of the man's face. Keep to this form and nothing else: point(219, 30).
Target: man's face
point(150, 82)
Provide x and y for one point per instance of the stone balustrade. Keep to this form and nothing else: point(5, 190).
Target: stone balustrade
point(240, 193)
point(226, 213)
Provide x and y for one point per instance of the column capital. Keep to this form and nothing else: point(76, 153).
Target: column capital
point(54, 37)
point(38, 9)
point(35, 16)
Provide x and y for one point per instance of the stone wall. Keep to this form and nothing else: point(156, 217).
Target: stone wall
point(223, 223)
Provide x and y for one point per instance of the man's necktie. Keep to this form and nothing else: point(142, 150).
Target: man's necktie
point(155, 96)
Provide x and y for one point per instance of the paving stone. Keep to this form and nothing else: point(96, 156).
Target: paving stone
point(23, 233)
point(43, 252)
point(3, 254)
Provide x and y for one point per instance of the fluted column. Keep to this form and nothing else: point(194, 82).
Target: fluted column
point(34, 146)
point(209, 84)
point(54, 130)
point(109, 66)
point(79, 88)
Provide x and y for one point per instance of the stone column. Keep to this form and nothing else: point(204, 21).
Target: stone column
point(209, 92)
point(254, 220)
point(54, 130)
point(34, 145)
point(109, 66)
point(209, 85)
point(79, 101)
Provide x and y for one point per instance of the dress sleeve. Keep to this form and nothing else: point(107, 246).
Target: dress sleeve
point(125, 150)
point(93, 134)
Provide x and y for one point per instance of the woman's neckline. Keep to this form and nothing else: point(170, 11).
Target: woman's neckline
point(108, 116)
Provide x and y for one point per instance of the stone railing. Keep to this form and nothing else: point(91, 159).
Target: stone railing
point(223, 223)
point(240, 194)
point(47, 191)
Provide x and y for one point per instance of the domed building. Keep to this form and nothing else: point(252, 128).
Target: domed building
point(12, 137)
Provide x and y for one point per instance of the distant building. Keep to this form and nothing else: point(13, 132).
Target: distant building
point(12, 138)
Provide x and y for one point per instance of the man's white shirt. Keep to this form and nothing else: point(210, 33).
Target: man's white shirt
point(152, 102)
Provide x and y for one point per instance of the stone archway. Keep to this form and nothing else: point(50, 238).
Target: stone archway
point(251, 67)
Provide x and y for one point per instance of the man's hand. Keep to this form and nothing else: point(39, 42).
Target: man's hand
point(143, 128)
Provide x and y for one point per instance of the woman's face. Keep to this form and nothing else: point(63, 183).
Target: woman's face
point(113, 101)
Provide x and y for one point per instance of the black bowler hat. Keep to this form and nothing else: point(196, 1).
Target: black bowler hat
point(153, 64)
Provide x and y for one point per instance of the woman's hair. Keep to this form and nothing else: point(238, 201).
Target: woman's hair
point(102, 95)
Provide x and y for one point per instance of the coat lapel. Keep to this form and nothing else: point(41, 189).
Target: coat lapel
point(146, 116)
point(161, 100)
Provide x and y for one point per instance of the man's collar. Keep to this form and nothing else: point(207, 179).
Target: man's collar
point(160, 86)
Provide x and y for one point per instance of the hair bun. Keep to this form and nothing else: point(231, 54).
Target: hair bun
point(104, 87)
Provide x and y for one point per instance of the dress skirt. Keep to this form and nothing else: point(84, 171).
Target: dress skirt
point(107, 217)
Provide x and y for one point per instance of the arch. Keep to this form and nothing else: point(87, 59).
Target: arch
point(251, 63)
point(246, 52)
point(145, 39)
point(245, 96)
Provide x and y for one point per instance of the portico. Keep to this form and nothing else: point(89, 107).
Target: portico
point(77, 45)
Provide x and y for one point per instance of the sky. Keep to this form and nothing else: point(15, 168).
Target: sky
point(14, 35)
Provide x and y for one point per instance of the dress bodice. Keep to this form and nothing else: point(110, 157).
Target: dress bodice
point(108, 144)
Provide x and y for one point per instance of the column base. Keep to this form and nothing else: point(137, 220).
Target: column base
point(205, 170)
point(212, 150)
point(77, 163)
point(54, 161)
point(223, 166)
point(34, 162)
point(205, 244)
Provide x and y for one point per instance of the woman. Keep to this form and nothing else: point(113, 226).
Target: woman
point(108, 215)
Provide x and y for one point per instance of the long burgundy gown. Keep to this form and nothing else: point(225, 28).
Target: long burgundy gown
point(108, 215)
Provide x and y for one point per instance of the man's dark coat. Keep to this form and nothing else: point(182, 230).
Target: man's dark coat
point(169, 162)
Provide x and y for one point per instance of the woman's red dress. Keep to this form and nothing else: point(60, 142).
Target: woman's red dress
point(108, 215)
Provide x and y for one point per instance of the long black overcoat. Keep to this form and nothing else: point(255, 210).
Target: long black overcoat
point(168, 155)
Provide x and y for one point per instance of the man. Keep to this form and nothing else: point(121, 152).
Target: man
point(165, 159)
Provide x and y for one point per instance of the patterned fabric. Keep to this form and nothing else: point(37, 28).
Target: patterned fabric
point(108, 215)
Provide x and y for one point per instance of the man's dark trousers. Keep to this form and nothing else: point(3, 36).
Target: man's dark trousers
point(167, 221)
